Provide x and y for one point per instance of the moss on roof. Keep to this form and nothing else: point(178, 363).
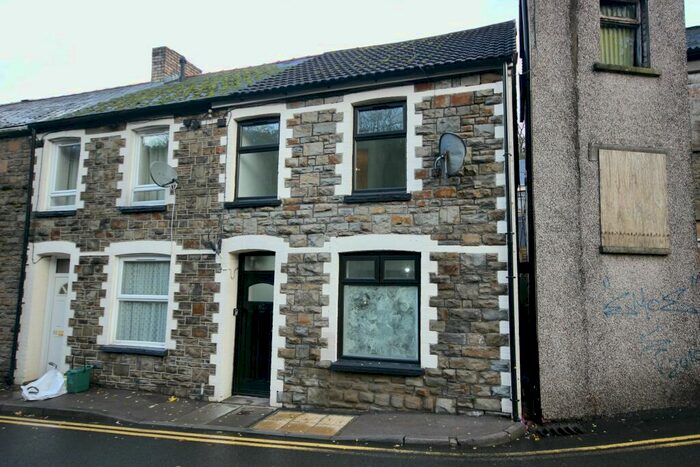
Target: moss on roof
point(216, 84)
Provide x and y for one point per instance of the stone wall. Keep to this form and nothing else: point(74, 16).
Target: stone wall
point(462, 212)
point(14, 170)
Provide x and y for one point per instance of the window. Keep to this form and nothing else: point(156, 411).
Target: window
point(380, 148)
point(622, 33)
point(258, 152)
point(379, 307)
point(64, 178)
point(142, 302)
point(152, 146)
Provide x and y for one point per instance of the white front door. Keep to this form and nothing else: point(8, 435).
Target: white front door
point(57, 309)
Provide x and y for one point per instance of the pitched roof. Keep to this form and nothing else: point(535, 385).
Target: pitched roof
point(496, 41)
point(222, 83)
point(692, 38)
point(40, 110)
point(493, 42)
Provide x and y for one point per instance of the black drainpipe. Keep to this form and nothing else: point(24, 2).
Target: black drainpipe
point(9, 378)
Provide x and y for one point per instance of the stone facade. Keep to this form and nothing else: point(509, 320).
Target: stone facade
point(461, 219)
point(14, 166)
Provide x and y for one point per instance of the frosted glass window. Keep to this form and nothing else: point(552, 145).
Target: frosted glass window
point(380, 322)
point(143, 302)
point(380, 315)
point(380, 148)
point(261, 292)
point(259, 263)
point(65, 175)
point(258, 155)
point(153, 147)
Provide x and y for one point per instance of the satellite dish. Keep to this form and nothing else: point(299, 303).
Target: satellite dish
point(453, 149)
point(162, 174)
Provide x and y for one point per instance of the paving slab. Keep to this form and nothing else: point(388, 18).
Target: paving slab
point(306, 423)
point(206, 414)
point(424, 428)
point(243, 417)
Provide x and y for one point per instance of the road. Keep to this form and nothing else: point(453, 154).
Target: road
point(37, 442)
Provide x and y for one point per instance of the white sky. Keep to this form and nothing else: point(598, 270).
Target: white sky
point(55, 47)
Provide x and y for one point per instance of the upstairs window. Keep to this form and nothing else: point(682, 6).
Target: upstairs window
point(64, 177)
point(380, 148)
point(258, 154)
point(152, 146)
point(622, 33)
point(143, 302)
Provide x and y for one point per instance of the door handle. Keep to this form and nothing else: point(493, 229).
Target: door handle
point(235, 312)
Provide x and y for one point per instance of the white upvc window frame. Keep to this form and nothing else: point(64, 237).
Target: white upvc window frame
point(55, 149)
point(151, 187)
point(119, 297)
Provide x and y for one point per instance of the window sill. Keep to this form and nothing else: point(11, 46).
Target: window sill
point(635, 250)
point(377, 367)
point(627, 70)
point(125, 349)
point(140, 209)
point(377, 197)
point(252, 203)
point(47, 214)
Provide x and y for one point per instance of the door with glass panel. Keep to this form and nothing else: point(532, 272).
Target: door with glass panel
point(57, 310)
point(253, 344)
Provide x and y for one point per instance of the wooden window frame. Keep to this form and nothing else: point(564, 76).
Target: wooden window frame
point(639, 24)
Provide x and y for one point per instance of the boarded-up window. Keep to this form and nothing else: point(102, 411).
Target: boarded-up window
point(633, 202)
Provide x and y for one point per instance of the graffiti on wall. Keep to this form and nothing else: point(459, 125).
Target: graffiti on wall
point(667, 357)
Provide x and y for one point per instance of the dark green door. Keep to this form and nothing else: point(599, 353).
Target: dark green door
point(253, 345)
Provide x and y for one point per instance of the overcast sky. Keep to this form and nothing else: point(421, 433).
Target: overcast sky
point(54, 47)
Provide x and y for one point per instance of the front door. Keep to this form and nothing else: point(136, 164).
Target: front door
point(57, 309)
point(253, 344)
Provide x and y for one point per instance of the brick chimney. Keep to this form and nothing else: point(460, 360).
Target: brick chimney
point(167, 64)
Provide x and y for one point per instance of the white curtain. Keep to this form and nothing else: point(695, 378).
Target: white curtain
point(143, 321)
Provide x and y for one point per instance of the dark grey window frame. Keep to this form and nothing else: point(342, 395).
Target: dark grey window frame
point(253, 201)
point(376, 136)
point(377, 365)
point(641, 26)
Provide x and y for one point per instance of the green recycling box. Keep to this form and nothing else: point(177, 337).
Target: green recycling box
point(78, 379)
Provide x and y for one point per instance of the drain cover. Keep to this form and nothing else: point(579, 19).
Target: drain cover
point(559, 429)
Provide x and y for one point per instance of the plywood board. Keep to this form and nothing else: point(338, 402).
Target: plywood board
point(633, 202)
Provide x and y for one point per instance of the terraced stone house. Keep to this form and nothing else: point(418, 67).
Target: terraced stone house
point(310, 252)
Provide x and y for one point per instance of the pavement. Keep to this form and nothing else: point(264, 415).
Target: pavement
point(251, 416)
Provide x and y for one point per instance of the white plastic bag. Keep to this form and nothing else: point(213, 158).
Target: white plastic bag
point(51, 384)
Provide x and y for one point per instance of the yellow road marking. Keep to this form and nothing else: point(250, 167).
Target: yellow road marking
point(676, 441)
